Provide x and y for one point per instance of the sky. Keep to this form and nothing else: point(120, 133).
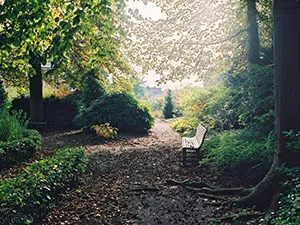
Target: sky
point(150, 10)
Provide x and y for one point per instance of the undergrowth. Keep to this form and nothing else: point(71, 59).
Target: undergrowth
point(232, 148)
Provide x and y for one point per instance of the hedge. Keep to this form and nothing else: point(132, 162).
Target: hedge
point(12, 152)
point(25, 198)
point(57, 112)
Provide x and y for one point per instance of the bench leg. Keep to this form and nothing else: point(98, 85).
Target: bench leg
point(198, 154)
point(184, 155)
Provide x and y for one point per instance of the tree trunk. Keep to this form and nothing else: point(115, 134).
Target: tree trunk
point(287, 95)
point(253, 39)
point(36, 91)
point(287, 72)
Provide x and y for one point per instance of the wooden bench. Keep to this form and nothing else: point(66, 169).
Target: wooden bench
point(193, 143)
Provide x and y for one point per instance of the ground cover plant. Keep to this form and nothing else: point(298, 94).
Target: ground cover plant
point(27, 196)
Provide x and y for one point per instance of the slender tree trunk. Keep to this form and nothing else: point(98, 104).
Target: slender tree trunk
point(36, 91)
point(287, 95)
point(253, 39)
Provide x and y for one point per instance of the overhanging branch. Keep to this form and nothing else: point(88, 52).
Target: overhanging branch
point(210, 43)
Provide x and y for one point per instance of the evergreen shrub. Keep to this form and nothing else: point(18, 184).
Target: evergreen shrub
point(26, 197)
point(168, 107)
point(121, 110)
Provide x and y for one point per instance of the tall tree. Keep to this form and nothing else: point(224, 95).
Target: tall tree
point(252, 28)
point(55, 31)
point(287, 96)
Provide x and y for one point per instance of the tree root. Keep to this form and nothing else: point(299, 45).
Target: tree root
point(207, 189)
point(212, 197)
point(242, 217)
point(187, 183)
point(145, 189)
point(222, 191)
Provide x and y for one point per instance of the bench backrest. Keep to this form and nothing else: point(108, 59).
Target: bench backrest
point(200, 133)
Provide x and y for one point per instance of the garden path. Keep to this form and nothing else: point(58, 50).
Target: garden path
point(125, 182)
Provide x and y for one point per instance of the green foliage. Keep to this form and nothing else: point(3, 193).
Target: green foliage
point(208, 106)
point(58, 112)
point(92, 87)
point(289, 205)
point(252, 97)
point(3, 95)
point(121, 110)
point(185, 126)
point(105, 130)
point(239, 147)
point(154, 100)
point(12, 126)
point(168, 107)
point(27, 196)
point(293, 140)
point(18, 150)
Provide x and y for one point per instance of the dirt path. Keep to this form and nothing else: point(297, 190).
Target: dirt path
point(125, 182)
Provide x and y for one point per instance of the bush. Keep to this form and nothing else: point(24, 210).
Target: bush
point(208, 106)
point(12, 126)
point(18, 150)
point(121, 110)
point(57, 112)
point(27, 196)
point(105, 130)
point(289, 205)
point(232, 149)
point(3, 95)
point(185, 126)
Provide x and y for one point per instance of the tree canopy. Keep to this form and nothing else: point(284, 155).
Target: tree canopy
point(197, 38)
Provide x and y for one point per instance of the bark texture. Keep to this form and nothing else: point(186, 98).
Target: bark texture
point(253, 38)
point(36, 91)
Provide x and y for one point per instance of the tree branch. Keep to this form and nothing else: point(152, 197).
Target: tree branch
point(209, 43)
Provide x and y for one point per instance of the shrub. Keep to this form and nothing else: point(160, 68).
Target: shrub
point(185, 126)
point(121, 110)
point(12, 126)
point(3, 95)
point(57, 112)
point(208, 106)
point(105, 130)
point(18, 150)
point(289, 204)
point(232, 149)
point(27, 196)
